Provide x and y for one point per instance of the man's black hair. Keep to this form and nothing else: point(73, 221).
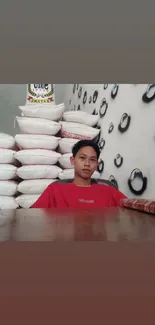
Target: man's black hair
point(85, 143)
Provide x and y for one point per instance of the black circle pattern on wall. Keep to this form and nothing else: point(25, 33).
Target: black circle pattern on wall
point(136, 173)
point(113, 180)
point(103, 107)
point(80, 92)
point(70, 102)
point(100, 167)
point(94, 112)
point(105, 86)
point(97, 138)
point(111, 127)
point(95, 96)
point(101, 143)
point(74, 87)
point(78, 108)
point(114, 91)
point(149, 95)
point(124, 117)
point(77, 87)
point(90, 100)
point(118, 161)
point(85, 97)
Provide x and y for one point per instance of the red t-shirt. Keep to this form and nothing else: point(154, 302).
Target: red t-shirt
point(61, 196)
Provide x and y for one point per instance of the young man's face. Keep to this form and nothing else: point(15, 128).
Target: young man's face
point(85, 162)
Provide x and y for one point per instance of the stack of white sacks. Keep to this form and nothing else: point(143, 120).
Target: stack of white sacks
point(76, 125)
point(39, 126)
point(47, 136)
point(8, 172)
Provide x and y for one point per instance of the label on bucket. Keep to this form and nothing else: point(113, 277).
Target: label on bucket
point(40, 93)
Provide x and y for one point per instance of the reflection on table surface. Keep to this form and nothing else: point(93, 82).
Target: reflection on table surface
point(111, 224)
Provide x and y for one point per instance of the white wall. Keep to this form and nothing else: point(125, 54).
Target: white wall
point(136, 145)
point(59, 93)
point(11, 96)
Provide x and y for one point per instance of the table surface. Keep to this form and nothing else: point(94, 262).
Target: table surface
point(72, 267)
point(112, 224)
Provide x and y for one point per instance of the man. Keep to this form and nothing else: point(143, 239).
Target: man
point(80, 193)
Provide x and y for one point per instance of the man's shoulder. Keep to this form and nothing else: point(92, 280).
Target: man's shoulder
point(56, 184)
point(111, 190)
point(102, 185)
point(105, 187)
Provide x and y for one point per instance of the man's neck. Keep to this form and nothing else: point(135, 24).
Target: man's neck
point(81, 181)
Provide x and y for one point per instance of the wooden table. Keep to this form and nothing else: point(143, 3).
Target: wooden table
point(112, 224)
point(73, 267)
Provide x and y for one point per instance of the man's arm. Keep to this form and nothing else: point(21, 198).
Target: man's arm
point(117, 196)
point(46, 200)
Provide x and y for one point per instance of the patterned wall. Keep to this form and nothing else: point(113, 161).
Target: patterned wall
point(127, 139)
